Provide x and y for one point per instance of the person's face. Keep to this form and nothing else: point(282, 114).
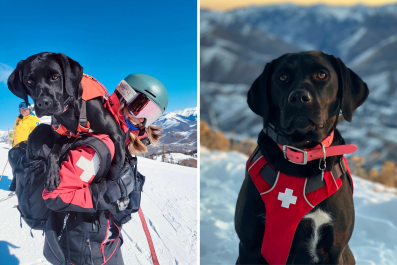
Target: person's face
point(137, 122)
point(24, 112)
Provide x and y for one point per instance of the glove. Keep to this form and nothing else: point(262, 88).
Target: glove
point(125, 180)
point(123, 203)
point(122, 185)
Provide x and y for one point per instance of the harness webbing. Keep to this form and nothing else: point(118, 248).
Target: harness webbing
point(148, 237)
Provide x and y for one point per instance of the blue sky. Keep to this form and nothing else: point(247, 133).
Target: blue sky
point(110, 39)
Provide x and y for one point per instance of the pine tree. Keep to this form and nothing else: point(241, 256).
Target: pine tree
point(163, 156)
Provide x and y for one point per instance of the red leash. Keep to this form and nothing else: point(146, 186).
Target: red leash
point(149, 238)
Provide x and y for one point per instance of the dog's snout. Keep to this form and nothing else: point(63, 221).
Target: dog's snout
point(44, 103)
point(299, 97)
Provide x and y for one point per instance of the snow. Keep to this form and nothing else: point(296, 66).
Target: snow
point(367, 54)
point(170, 123)
point(377, 84)
point(222, 174)
point(186, 112)
point(185, 134)
point(169, 203)
point(346, 45)
point(45, 119)
point(225, 58)
point(176, 157)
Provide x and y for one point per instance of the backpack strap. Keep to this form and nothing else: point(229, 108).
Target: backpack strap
point(83, 114)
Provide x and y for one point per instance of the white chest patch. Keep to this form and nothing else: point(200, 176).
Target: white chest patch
point(319, 218)
point(90, 168)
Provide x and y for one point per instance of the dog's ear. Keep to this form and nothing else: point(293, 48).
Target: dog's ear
point(15, 83)
point(354, 90)
point(257, 95)
point(72, 74)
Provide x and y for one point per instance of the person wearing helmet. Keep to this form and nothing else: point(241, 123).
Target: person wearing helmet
point(24, 124)
point(138, 101)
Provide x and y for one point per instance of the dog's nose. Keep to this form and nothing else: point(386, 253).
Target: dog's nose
point(44, 103)
point(299, 97)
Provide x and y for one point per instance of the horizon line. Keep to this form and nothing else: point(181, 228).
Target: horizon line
point(245, 5)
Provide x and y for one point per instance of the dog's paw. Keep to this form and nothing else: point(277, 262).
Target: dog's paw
point(52, 179)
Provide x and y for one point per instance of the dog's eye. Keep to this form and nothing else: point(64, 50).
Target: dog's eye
point(30, 82)
point(54, 77)
point(321, 75)
point(283, 77)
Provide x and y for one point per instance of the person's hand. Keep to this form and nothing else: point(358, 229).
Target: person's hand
point(121, 186)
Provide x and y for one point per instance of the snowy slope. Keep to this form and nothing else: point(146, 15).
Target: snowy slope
point(169, 203)
point(176, 157)
point(375, 232)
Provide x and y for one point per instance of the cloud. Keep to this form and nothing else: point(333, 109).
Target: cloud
point(5, 72)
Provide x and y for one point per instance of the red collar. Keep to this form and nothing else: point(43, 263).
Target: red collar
point(302, 156)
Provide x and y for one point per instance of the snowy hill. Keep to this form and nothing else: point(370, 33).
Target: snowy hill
point(236, 45)
point(169, 203)
point(222, 174)
point(179, 129)
point(4, 136)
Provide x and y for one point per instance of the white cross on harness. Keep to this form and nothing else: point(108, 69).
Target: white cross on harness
point(90, 168)
point(287, 198)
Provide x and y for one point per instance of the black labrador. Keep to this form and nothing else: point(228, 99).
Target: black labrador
point(302, 94)
point(52, 80)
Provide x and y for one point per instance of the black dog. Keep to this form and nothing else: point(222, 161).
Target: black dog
point(302, 94)
point(53, 81)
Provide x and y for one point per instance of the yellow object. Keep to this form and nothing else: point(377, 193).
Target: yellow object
point(23, 127)
point(10, 137)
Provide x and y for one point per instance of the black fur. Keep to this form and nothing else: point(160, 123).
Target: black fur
point(305, 125)
point(50, 79)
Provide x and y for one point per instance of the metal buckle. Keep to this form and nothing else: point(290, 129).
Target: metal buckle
point(296, 149)
point(324, 161)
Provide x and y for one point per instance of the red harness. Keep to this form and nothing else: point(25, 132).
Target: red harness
point(92, 88)
point(288, 199)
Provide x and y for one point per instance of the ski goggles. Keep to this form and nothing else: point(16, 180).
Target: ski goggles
point(138, 104)
point(142, 107)
point(23, 106)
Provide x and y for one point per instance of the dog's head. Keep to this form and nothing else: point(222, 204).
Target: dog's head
point(49, 79)
point(303, 93)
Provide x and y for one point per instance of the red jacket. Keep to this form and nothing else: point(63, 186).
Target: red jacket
point(90, 221)
point(76, 175)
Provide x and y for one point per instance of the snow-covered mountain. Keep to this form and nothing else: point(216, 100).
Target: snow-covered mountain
point(179, 129)
point(221, 176)
point(236, 45)
point(169, 203)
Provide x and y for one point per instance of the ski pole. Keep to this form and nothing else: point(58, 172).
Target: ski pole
point(4, 170)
